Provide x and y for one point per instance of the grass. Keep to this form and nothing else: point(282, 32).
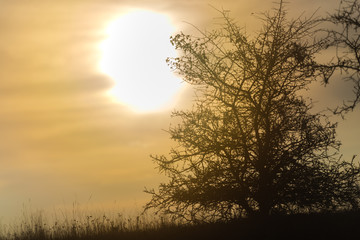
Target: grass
point(80, 223)
point(80, 226)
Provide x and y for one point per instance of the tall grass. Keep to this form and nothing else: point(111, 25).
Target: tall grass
point(78, 224)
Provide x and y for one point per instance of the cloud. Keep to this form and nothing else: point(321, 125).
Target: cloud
point(61, 136)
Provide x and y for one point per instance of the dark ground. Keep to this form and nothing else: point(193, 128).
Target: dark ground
point(340, 225)
point(316, 226)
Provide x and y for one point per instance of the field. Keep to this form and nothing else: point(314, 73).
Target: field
point(35, 226)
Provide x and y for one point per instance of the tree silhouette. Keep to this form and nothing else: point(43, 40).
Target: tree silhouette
point(251, 145)
point(344, 36)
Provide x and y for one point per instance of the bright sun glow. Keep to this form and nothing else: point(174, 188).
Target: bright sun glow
point(134, 56)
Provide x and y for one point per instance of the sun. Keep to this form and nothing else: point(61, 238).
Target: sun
point(134, 56)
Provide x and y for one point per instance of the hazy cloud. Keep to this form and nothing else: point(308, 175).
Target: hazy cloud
point(61, 135)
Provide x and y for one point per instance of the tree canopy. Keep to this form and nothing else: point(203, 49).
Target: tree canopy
point(344, 37)
point(251, 144)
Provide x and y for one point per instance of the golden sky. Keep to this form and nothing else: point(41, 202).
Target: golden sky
point(63, 139)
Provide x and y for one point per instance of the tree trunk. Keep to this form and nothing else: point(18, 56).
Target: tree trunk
point(264, 193)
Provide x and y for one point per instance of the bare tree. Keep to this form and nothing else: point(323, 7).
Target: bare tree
point(344, 36)
point(250, 146)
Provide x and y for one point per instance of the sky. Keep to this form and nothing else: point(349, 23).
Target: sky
point(63, 137)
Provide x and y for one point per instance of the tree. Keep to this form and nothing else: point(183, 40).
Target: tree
point(344, 36)
point(250, 145)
